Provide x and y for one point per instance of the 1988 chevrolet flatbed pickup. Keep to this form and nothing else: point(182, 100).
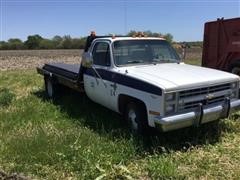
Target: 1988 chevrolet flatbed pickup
point(143, 79)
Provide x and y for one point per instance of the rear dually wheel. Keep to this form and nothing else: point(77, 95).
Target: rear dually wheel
point(50, 87)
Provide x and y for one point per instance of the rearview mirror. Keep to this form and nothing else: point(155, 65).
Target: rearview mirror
point(87, 60)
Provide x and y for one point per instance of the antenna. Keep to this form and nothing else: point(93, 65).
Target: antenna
point(125, 16)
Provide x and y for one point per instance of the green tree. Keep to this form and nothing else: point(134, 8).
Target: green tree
point(132, 33)
point(195, 44)
point(66, 42)
point(33, 41)
point(4, 45)
point(78, 43)
point(46, 44)
point(57, 42)
point(15, 44)
point(168, 37)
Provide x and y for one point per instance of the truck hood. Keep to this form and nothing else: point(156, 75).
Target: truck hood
point(174, 76)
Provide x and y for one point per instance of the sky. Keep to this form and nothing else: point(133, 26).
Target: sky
point(184, 19)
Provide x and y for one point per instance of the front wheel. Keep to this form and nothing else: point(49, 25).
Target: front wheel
point(136, 118)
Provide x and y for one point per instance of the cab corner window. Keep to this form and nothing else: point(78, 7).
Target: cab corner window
point(101, 54)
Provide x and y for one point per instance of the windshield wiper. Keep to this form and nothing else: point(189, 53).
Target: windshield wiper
point(134, 61)
point(164, 60)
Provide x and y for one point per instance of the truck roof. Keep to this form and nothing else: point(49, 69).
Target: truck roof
point(90, 39)
point(112, 39)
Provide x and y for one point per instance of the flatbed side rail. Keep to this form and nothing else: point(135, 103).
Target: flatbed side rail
point(78, 86)
point(42, 71)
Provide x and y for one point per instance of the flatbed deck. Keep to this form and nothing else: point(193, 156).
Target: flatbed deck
point(66, 74)
point(70, 71)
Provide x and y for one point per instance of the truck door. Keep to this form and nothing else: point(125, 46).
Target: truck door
point(100, 87)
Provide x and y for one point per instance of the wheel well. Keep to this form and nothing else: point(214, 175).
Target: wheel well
point(123, 100)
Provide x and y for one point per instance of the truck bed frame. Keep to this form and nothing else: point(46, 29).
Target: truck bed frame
point(69, 75)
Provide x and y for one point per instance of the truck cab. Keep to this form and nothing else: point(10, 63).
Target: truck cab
point(143, 79)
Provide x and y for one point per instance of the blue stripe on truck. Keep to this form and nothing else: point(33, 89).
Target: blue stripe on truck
point(125, 80)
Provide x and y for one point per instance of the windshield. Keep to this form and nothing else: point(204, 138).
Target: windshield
point(129, 52)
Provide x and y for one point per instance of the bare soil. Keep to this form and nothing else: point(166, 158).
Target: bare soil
point(28, 59)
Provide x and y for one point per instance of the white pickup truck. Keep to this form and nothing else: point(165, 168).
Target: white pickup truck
point(143, 79)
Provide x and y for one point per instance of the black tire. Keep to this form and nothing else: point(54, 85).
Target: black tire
point(135, 115)
point(50, 87)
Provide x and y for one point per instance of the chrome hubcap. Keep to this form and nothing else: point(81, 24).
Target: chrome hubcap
point(132, 118)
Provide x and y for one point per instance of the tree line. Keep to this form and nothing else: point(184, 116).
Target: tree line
point(58, 42)
point(195, 44)
point(38, 42)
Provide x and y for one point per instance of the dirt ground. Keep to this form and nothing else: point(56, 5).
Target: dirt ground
point(29, 59)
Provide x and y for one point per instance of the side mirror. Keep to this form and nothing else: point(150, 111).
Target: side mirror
point(87, 59)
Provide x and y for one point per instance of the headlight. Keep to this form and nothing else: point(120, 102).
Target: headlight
point(170, 96)
point(170, 108)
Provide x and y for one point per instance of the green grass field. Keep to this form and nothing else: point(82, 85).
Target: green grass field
point(72, 137)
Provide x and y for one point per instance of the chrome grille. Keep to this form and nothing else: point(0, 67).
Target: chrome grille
point(206, 90)
point(190, 99)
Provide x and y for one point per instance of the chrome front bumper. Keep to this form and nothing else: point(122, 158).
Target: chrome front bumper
point(199, 116)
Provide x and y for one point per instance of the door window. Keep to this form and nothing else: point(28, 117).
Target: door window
point(101, 54)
